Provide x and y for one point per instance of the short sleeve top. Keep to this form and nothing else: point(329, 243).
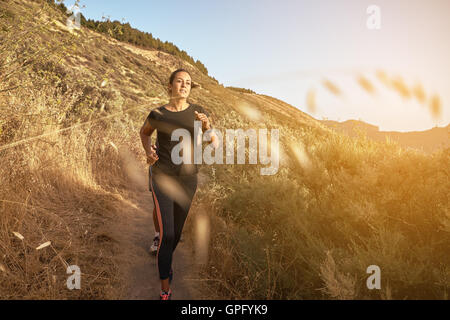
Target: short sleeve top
point(165, 122)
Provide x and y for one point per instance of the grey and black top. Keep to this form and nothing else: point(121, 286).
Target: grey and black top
point(165, 122)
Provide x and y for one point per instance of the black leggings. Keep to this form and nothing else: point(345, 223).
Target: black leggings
point(172, 197)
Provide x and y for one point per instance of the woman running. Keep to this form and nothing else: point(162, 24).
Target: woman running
point(172, 185)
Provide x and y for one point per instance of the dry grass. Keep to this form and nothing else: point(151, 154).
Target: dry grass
point(67, 187)
point(358, 203)
point(339, 205)
point(63, 182)
point(337, 284)
point(51, 193)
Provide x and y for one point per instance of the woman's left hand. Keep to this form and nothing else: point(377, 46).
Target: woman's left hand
point(204, 119)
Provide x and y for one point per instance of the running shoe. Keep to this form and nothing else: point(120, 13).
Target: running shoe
point(164, 295)
point(154, 247)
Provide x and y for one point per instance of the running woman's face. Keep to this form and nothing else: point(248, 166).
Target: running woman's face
point(181, 85)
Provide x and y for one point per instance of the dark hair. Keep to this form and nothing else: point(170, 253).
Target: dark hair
point(172, 77)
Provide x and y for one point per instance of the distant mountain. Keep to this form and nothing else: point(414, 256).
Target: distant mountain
point(427, 141)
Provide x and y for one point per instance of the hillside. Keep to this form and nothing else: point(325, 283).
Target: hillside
point(73, 173)
point(427, 140)
point(72, 104)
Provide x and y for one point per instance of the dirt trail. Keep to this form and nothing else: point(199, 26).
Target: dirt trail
point(139, 268)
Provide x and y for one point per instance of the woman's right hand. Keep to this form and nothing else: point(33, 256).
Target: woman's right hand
point(152, 157)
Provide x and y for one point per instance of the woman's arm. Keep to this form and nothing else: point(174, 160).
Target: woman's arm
point(206, 125)
point(150, 150)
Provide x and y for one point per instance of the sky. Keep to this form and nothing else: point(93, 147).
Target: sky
point(288, 48)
